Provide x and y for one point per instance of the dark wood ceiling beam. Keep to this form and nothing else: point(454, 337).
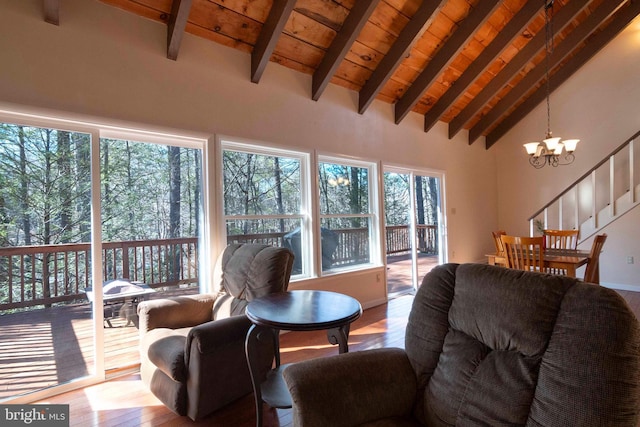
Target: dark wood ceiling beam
point(52, 11)
point(177, 23)
point(447, 53)
point(505, 37)
point(594, 44)
point(271, 30)
point(400, 49)
point(340, 45)
point(537, 74)
point(528, 52)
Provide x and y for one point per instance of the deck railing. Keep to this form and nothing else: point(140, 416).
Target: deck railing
point(48, 274)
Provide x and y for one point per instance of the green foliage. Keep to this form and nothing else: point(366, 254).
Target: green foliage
point(397, 200)
point(45, 188)
point(256, 184)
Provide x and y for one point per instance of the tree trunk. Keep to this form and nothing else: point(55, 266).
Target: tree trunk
point(46, 291)
point(24, 188)
point(65, 187)
point(83, 177)
point(247, 190)
point(197, 194)
point(277, 172)
point(420, 234)
point(106, 205)
point(354, 195)
point(174, 209)
point(434, 200)
point(132, 222)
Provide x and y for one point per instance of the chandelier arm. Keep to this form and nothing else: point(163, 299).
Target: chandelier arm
point(537, 162)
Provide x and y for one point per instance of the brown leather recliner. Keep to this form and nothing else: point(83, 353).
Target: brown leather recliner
point(192, 347)
point(488, 346)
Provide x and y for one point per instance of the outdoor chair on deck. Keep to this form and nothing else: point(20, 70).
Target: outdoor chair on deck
point(192, 347)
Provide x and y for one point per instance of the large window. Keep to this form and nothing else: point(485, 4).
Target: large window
point(346, 212)
point(265, 199)
point(80, 216)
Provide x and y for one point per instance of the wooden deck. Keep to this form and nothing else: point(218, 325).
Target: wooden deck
point(399, 271)
point(46, 347)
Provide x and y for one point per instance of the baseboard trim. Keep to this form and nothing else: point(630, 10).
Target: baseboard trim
point(621, 286)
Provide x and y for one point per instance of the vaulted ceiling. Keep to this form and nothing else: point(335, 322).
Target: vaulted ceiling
point(474, 64)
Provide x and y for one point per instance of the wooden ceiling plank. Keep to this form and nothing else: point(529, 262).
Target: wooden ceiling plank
point(537, 74)
point(593, 45)
point(52, 11)
point(345, 38)
point(476, 18)
point(177, 23)
point(397, 53)
point(269, 35)
point(528, 52)
point(506, 36)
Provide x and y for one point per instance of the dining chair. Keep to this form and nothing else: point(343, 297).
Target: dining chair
point(561, 239)
point(592, 272)
point(499, 247)
point(524, 253)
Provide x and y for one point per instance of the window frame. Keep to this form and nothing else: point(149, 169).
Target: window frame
point(225, 143)
point(99, 128)
point(373, 214)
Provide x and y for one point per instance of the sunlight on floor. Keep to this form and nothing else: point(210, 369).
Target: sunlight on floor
point(120, 395)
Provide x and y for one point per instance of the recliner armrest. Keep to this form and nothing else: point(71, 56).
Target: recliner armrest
point(351, 389)
point(211, 335)
point(175, 312)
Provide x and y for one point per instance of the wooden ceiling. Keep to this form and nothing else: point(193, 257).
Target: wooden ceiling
point(474, 64)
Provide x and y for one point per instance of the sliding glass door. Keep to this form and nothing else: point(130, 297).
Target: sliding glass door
point(47, 326)
point(413, 226)
point(151, 204)
point(89, 227)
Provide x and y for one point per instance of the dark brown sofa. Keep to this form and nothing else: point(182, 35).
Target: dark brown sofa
point(192, 347)
point(487, 346)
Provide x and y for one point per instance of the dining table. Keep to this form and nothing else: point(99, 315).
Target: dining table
point(568, 260)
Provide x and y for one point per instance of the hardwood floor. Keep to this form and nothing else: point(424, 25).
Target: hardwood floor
point(60, 345)
point(125, 402)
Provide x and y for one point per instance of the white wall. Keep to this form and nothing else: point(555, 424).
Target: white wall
point(107, 64)
point(600, 104)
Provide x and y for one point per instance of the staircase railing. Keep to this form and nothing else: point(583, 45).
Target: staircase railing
point(600, 196)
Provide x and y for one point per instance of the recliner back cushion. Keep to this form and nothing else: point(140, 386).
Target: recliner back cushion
point(250, 271)
point(479, 336)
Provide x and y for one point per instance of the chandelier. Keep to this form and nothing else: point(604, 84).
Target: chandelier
point(551, 151)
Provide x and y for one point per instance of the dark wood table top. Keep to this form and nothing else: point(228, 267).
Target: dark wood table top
point(304, 310)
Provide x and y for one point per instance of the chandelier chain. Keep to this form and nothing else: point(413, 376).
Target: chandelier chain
point(548, 44)
point(552, 151)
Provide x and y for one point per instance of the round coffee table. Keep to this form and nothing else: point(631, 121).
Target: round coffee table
point(301, 310)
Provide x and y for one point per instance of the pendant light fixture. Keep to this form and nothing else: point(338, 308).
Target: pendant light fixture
point(551, 151)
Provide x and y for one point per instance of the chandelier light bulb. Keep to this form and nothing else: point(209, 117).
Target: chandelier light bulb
point(570, 145)
point(551, 143)
point(531, 147)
